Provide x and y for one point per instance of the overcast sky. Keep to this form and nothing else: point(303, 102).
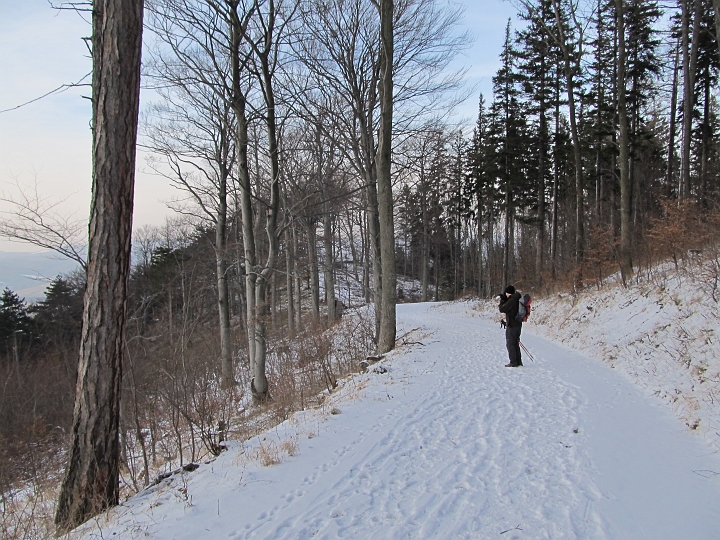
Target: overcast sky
point(49, 140)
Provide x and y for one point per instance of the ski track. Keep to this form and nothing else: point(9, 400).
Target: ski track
point(452, 445)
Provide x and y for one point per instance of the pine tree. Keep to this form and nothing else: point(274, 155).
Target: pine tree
point(507, 131)
point(482, 169)
point(15, 323)
point(706, 77)
point(642, 69)
point(602, 109)
point(537, 52)
point(58, 317)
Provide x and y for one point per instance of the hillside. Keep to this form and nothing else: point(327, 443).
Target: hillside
point(439, 440)
point(661, 332)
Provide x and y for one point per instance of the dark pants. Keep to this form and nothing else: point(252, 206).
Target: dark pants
point(512, 339)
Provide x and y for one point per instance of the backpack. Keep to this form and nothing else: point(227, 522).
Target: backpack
point(524, 308)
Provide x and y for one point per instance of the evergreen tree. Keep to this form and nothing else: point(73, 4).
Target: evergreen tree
point(482, 172)
point(456, 206)
point(509, 135)
point(706, 77)
point(15, 323)
point(601, 114)
point(537, 52)
point(58, 318)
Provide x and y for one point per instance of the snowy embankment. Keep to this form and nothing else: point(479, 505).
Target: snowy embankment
point(444, 442)
point(662, 332)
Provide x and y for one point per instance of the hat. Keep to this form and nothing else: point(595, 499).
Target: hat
point(510, 289)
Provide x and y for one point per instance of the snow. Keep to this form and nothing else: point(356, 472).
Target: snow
point(448, 443)
point(660, 333)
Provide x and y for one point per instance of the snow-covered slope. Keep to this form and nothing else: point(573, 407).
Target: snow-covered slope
point(661, 332)
point(445, 442)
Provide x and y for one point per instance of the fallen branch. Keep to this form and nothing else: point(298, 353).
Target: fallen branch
point(705, 473)
point(407, 333)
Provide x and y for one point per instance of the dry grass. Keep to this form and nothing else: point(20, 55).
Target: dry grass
point(176, 412)
point(268, 453)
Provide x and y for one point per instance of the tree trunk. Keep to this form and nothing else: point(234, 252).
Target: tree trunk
point(492, 275)
point(574, 132)
point(260, 384)
point(329, 266)
point(436, 266)
point(226, 363)
point(625, 259)
point(353, 248)
point(91, 480)
point(425, 249)
point(374, 233)
point(289, 274)
point(298, 283)
point(386, 338)
point(506, 249)
point(540, 248)
point(365, 248)
point(480, 266)
point(706, 134)
point(716, 7)
point(690, 53)
point(247, 225)
point(239, 107)
point(673, 110)
point(556, 184)
point(425, 262)
point(314, 271)
point(273, 300)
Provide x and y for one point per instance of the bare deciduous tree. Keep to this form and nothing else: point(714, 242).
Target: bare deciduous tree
point(38, 220)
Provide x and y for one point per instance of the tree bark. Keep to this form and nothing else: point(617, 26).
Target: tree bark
point(574, 132)
point(556, 184)
point(260, 386)
point(298, 283)
point(289, 274)
point(91, 480)
point(226, 363)
point(246, 211)
point(706, 134)
point(329, 265)
point(690, 52)
point(506, 248)
point(386, 339)
point(314, 271)
point(716, 7)
point(540, 248)
point(671, 129)
point(374, 234)
point(626, 266)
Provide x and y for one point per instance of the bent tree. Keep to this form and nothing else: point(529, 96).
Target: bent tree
point(91, 481)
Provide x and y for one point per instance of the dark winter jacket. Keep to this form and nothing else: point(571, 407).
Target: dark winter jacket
point(509, 306)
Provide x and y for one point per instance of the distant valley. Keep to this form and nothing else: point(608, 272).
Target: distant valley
point(29, 273)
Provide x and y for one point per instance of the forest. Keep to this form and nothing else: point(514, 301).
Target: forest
point(597, 153)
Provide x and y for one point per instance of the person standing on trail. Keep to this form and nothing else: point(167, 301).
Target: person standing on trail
point(509, 305)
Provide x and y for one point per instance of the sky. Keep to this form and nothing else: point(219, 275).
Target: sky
point(48, 142)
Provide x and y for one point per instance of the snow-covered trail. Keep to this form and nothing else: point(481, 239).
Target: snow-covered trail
point(450, 444)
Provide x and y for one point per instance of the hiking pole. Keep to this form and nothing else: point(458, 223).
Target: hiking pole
point(524, 348)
